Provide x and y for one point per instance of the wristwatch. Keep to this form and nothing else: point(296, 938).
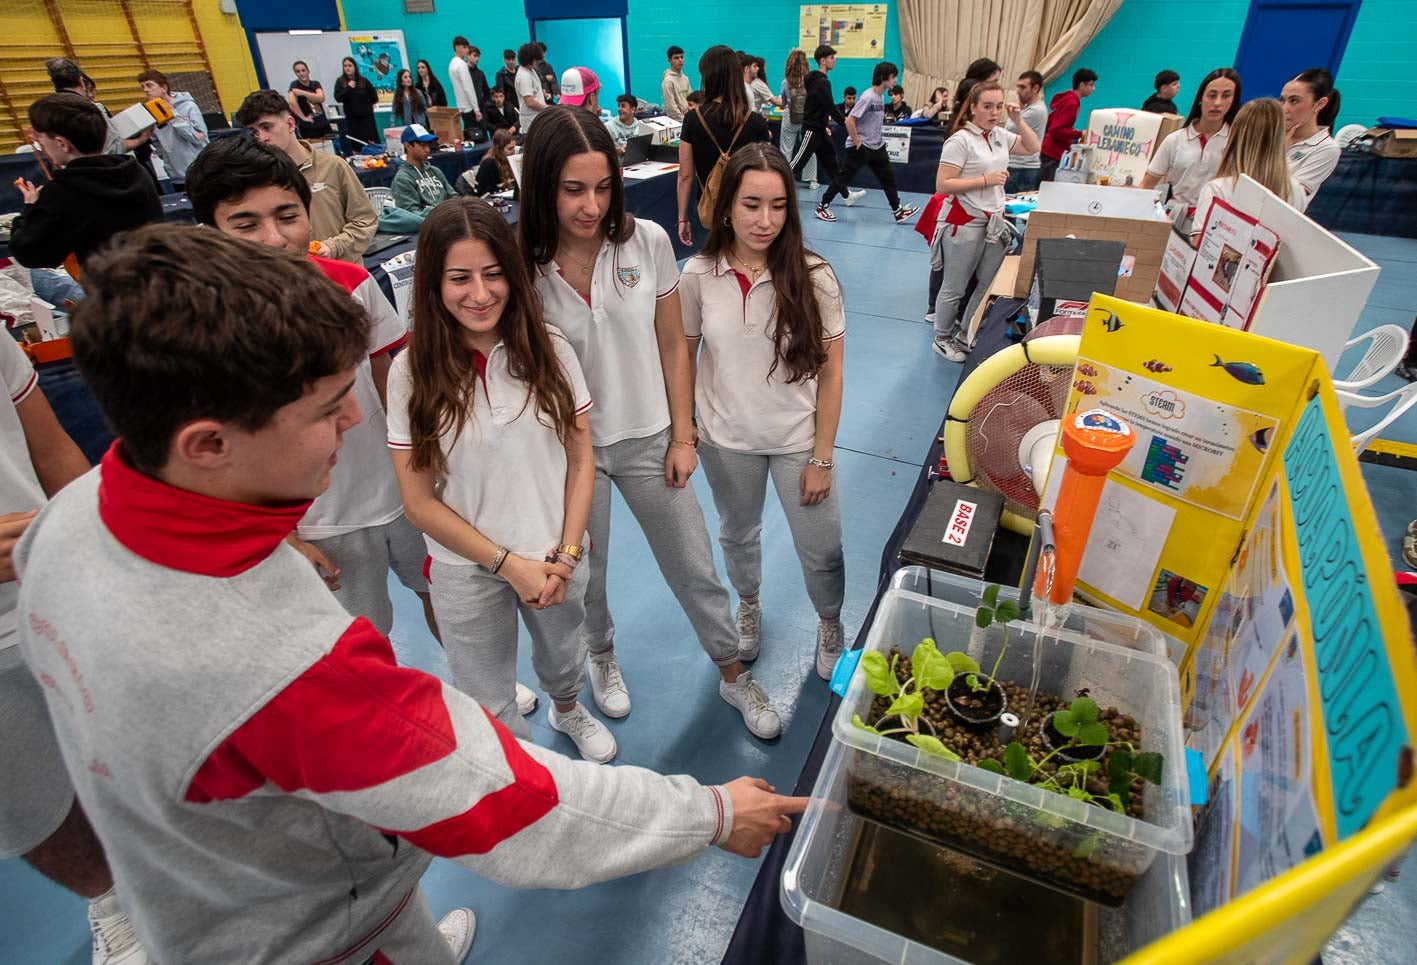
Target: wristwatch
point(575, 552)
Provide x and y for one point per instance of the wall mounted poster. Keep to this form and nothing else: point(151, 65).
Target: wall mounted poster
point(379, 59)
point(854, 29)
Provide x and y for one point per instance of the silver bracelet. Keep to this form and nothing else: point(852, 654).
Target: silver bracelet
point(821, 463)
point(498, 560)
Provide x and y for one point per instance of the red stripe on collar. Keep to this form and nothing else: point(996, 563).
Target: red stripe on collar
point(187, 531)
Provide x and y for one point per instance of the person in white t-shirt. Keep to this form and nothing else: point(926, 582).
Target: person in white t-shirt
point(531, 98)
point(610, 282)
point(971, 235)
point(1310, 103)
point(1256, 149)
point(1190, 157)
point(489, 429)
point(765, 317)
point(355, 532)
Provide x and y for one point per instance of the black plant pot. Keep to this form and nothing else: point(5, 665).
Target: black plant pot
point(960, 700)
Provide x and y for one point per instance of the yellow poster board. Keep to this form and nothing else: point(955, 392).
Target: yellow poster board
point(853, 29)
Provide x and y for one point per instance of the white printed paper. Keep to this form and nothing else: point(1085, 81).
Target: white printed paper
point(897, 144)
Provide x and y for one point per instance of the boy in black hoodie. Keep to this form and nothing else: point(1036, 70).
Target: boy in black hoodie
point(93, 196)
point(819, 109)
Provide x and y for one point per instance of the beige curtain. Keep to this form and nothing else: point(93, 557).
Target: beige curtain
point(940, 38)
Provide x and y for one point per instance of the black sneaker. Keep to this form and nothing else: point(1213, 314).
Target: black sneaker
point(904, 213)
point(824, 213)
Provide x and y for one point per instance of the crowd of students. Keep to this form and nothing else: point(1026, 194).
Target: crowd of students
point(284, 442)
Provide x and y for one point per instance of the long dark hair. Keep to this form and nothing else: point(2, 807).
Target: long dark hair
point(721, 74)
point(442, 370)
point(1320, 84)
point(559, 134)
point(413, 96)
point(356, 76)
point(797, 332)
point(501, 140)
point(1216, 74)
point(965, 113)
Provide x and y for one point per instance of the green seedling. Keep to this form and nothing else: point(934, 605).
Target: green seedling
point(992, 611)
point(928, 668)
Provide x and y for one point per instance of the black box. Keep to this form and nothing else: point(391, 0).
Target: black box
point(955, 529)
point(1072, 269)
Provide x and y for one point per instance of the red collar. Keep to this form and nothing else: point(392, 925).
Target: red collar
point(183, 530)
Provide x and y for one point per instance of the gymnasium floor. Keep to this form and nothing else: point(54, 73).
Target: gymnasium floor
point(895, 392)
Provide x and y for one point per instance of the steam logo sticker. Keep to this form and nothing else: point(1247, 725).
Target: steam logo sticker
point(1165, 404)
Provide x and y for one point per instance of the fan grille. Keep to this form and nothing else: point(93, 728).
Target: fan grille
point(1033, 394)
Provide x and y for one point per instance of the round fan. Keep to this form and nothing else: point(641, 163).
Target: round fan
point(1003, 421)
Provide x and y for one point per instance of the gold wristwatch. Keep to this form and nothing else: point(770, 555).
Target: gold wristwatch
point(574, 552)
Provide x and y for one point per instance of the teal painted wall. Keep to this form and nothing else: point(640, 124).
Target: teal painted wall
point(429, 36)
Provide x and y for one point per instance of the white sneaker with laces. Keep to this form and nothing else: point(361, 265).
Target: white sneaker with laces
point(457, 928)
point(750, 630)
point(526, 699)
point(592, 738)
point(930, 318)
point(746, 694)
point(853, 196)
point(829, 643)
point(947, 350)
point(114, 940)
point(607, 685)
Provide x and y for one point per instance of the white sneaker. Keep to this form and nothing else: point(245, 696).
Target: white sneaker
point(829, 643)
point(929, 318)
point(457, 928)
point(750, 630)
point(947, 350)
point(812, 186)
point(747, 695)
point(114, 940)
point(607, 685)
point(526, 699)
point(852, 197)
point(591, 737)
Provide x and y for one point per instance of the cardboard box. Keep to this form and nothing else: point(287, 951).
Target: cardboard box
point(446, 122)
point(1100, 213)
point(1391, 142)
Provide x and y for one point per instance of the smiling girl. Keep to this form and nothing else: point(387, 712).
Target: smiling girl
point(609, 281)
point(490, 436)
point(766, 316)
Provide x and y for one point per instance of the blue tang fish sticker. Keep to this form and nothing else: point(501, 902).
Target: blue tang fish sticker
point(1246, 372)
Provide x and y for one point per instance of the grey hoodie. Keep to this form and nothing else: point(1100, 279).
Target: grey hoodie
point(182, 139)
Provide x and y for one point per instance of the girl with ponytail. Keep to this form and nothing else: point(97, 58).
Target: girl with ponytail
point(1310, 103)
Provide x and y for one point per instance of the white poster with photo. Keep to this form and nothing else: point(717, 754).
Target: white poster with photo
point(1231, 265)
point(897, 144)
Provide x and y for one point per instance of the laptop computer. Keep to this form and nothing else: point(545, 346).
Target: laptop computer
point(636, 150)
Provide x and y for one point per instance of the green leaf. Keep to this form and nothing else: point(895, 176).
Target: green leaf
point(1064, 724)
point(1092, 735)
point(983, 617)
point(1119, 770)
point(974, 683)
point(856, 719)
point(1017, 761)
point(962, 662)
point(991, 595)
point(929, 666)
point(1006, 610)
point(1083, 710)
point(1116, 801)
point(879, 679)
point(907, 706)
point(1086, 846)
point(991, 765)
point(932, 745)
point(1079, 794)
point(1046, 820)
point(1149, 766)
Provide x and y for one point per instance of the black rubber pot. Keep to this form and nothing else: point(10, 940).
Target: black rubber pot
point(1073, 755)
point(975, 718)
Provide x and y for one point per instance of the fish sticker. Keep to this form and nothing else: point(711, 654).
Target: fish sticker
point(1085, 387)
point(1157, 366)
point(1260, 438)
point(1111, 322)
point(1246, 372)
point(1088, 370)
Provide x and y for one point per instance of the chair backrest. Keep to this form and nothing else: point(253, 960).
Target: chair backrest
point(1387, 344)
point(383, 199)
point(1398, 402)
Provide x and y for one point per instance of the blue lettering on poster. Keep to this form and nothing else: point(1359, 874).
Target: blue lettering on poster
point(1361, 712)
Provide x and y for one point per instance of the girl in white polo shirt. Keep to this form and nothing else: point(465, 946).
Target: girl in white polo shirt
point(610, 282)
point(1256, 148)
point(490, 436)
point(1190, 157)
point(766, 317)
point(1310, 103)
point(972, 236)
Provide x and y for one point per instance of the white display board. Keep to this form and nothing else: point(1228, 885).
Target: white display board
point(324, 51)
point(1122, 141)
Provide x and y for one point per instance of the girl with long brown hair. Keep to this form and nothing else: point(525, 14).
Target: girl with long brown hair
point(495, 171)
point(794, 99)
point(490, 436)
point(1256, 148)
point(409, 105)
point(765, 315)
point(610, 282)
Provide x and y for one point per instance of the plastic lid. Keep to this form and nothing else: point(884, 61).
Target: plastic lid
point(1096, 441)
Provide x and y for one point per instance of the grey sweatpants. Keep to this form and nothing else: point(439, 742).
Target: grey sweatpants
point(365, 557)
point(673, 522)
point(38, 794)
point(412, 936)
point(964, 253)
point(477, 615)
point(739, 482)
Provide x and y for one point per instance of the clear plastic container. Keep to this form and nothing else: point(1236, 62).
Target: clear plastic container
point(1080, 848)
point(840, 862)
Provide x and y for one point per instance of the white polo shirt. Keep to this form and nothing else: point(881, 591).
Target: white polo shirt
point(363, 489)
point(507, 469)
point(1224, 189)
point(1313, 159)
point(740, 406)
point(1186, 161)
point(614, 334)
point(976, 154)
point(20, 491)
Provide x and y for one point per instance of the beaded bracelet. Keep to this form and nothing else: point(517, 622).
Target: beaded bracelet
point(821, 463)
point(687, 444)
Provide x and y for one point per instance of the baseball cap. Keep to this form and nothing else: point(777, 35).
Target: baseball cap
point(577, 83)
point(417, 132)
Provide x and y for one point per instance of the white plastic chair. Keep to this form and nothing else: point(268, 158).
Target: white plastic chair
point(1399, 400)
point(1387, 345)
point(383, 199)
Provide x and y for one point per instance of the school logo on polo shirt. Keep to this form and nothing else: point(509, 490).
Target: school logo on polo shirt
point(629, 277)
